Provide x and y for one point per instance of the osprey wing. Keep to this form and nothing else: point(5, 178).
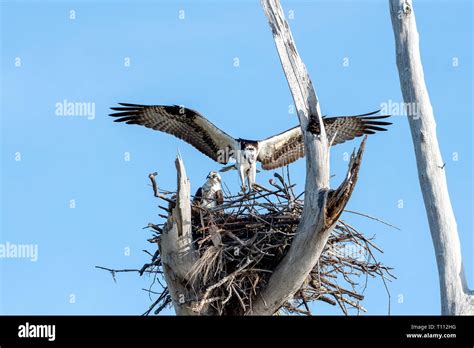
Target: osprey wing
point(281, 149)
point(343, 128)
point(219, 197)
point(287, 147)
point(184, 123)
point(198, 197)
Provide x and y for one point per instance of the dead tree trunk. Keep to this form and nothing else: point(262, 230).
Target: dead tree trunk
point(456, 298)
point(313, 230)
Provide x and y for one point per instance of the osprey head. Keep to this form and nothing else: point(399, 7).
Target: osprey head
point(214, 177)
point(250, 153)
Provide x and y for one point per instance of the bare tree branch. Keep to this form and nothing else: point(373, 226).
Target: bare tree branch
point(456, 298)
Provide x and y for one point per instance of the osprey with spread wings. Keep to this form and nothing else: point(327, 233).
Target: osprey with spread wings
point(273, 152)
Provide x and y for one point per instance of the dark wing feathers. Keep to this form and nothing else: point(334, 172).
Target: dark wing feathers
point(281, 149)
point(347, 128)
point(287, 147)
point(219, 197)
point(198, 197)
point(181, 122)
point(274, 152)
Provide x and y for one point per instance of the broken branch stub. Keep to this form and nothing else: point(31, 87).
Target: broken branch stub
point(176, 249)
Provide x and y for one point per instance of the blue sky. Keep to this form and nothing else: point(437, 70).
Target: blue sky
point(50, 163)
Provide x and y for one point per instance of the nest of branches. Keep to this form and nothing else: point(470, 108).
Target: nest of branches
point(240, 243)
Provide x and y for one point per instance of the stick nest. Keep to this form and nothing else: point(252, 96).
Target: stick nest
point(242, 242)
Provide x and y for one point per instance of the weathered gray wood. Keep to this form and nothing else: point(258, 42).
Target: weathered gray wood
point(456, 298)
point(312, 232)
point(176, 249)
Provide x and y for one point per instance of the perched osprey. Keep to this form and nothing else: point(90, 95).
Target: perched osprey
point(210, 194)
point(273, 152)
